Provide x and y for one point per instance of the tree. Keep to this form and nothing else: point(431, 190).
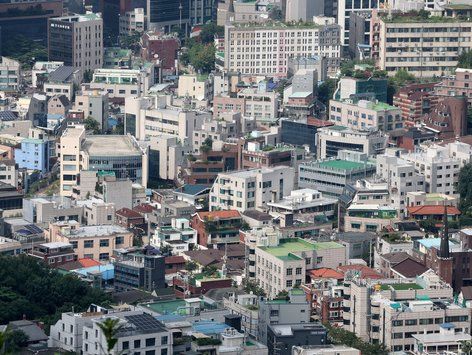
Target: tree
point(400, 79)
point(209, 31)
point(464, 188)
point(110, 328)
point(326, 91)
point(131, 41)
point(92, 125)
point(24, 49)
point(210, 270)
point(15, 340)
point(206, 145)
point(465, 60)
point(166, 250)
point(466, 347)
point(344, 337)
point(251, 286)
point(202, 57)
point(191, 266)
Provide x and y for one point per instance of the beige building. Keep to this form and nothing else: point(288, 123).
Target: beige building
point(77, 41)
point(196, 86)
point(69, 158)
point(265, 48)
point(132, 21)
point(424, 47)
point(282, 264)
point(260, 103)
point(363, 114)
point(94, 242)
point(93, 103)
point(251, 189)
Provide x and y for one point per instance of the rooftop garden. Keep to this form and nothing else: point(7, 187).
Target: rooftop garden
point(420, 16)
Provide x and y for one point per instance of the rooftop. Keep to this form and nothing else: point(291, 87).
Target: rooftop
point(109, 145)
point(401, 286)
point(338, 164)
point(297, 245)
point(96, 231)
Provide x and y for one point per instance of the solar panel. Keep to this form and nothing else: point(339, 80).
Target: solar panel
point(145, 322)
point(8, 116)
point(34, 228)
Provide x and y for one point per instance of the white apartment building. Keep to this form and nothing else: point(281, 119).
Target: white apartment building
point(69, 158)
point(196, 86)
point(401, 178)
point(365, 114)
point(266, 48)
point(53, 89)
point(93, 103)
point(251, 189)
point(77, 41)
point(10, 76)
point(330, 140)
point(261, 104)
point(148, 117)
point(132, 21)
point(168, 154)
point(439, 165)
point(345, 8)
point(423, 47)
point(9, 172)
point(179, 236)
point(121, 83)
point(282, 265)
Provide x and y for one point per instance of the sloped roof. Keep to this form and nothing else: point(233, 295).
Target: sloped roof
point(432, 210)
point(218, 214)
point(128, 213)
point(364, 271)
point(410, 268)
point(326, 273)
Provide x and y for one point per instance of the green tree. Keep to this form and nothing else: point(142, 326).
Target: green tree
point(465, 60)
point(401, 78)
point(326, 91)
point(110, 328)
point(166, 250)
point(344, 337)
point(131, 41)
point(92, 125)
point(466, 347)
point(251, 286)
point(209, 31)
point(207, 145)
point(202, 57)
point(15, 340)
point(210, 270)
point(464, 188)
point(191, 266)
point(88, 76)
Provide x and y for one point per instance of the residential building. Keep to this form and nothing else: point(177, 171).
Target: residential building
point(242, 39)
point(458, 84)
point(301, 132)
point(245, 306)
point(365, 114)
point(294, 310)
point(54, 254)
point(196, 86)
point(100, 153)
point(43, 210)
point(58, 105)
point(251, 189)
point(162, 47)
point(285, 337)
point(11, 201)
point(9, 172)
point(303, 10)
point(357, 245)
point(133, 21)
point(117, 57)
point(141, 269)
point(77, 41)
point(346, 8)
point(121, 83)
point(33, 154)
point(94, 104)
point(416, 44)
point(420, 198)
point(241, 12)
point(332, 139)
point(217, 228)
point(166, 157)
point(299, 104)
point(325, 349)
point(283, 265)
point(440, 166)
point(330, 176)
point(128, 218)
point(10, 75)
point(260, 103)
point(401, 177)
point(302, 204)
point(93, 242)
point(257, 155)
point(179, 236)
point(415, 100)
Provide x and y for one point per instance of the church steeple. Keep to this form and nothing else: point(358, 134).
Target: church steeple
point(444, 247)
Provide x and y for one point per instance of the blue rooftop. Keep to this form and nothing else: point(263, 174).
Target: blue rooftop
point(192, 189)
point(433, 243)
point(107, 271)
point(209, 327)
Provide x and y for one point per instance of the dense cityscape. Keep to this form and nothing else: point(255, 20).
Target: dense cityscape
point(236, 177)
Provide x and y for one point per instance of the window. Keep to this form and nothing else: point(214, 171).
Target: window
point(88, 243)
point(150, 352)
point(319, 259)
point(289, 283)
point(104, 256)
point(119, 240)
point(104, 243)
point(137, 343)
point(411, 322)
point(425, 321)
point(298, 271)
point(125, 345)
point(397, 323)
point(274, 312)
point(164, 340)
point(163, 351)
point(74, 244)
point(150, 342)
point(289, 271)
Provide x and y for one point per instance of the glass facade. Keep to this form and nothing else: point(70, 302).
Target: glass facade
point(124, 167)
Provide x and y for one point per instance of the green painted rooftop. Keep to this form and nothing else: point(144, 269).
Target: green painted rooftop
point(337, 128)
point(382, 106)
point(294, 245)
point(401, 286)
point(339, 164)
point(166, 307)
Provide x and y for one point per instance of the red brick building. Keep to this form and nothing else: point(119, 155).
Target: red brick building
point(128, 218)
point(165, 47)
point(174, 264)
point(456, 85)
point(217, 227)
point(194, 286)
point(415, 100)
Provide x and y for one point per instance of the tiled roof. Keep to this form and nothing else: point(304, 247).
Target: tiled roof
point(175, 259)
point(326, 273)
point(86, 262)
point(365, 271)
point(432, 210)
point(218, 214)
point(126, 212)
point(410, 268)
point(144, 208)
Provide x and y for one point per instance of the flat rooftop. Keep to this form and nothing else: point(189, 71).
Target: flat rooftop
point(339, 164)
point(297, 245)
point(108, 145)
point(97, 231)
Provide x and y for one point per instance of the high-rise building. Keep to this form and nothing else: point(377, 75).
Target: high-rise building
point(77, 41)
